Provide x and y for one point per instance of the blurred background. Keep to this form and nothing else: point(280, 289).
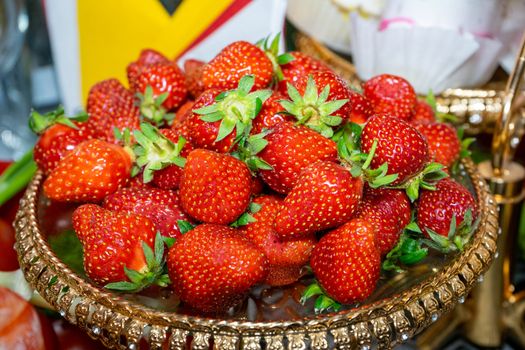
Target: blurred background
point(52, 51)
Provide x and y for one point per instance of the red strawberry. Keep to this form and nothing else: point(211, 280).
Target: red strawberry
point(235, 61)
point(162, 207)
point(423, 113)
point(219, 117)
point(270, 115)
point(146, 57)
point(257, 186)
point(443, 142)
point(169, 177)
point(162, 88)
point(399, 145)
point(110, 105)
point(58, 136)
point(301, 66)
point(213, 267)
point(182, 114)
point(324, 196)
point(388, 211)
point(285, 258)
point(436, 210)
point(193, 74)
point(215, 188)
point(290, 149)
point(346, 262)
point(90, 172)
point(392, 95)
point(115, 243)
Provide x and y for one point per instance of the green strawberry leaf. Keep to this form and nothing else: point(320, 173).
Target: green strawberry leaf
point(185, 226)
point(39, 123)
point(151, 108)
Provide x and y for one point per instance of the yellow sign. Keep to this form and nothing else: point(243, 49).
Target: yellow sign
point(113, 32)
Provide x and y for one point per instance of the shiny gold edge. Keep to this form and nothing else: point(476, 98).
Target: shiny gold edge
point(117, 323)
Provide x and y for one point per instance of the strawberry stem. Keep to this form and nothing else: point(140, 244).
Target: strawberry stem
point(151, 107)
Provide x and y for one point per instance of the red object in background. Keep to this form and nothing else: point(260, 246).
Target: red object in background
point(8, 260)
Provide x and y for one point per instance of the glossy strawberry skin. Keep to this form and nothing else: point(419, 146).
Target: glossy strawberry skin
point(146, 57)
point(203, 134)
point(213, 267)
point(286, 258)
point(111, 241)
point(110, 105)
point(360, 108)
point(346, 262)
point(388, 211)
point(301, 66)
point(339, 90)
point(392, 95)
point(169, 177)
point(399, 144)
point(325, 196)
point(164, 78)
point(423, 114)
point(235, 61)
point(435, 209)
point(214, 188)
point(193, 75)
point(162, 207)
point(90, 172)
point(270, 115)
point(290, 149)
point(56, 142)
point(443, 142)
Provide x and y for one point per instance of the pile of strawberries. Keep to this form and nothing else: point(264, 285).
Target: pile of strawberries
point(253, 168)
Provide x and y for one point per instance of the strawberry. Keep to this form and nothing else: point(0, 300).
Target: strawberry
point(399, 145)
point(360, 108)
point(392, 95)
point(182, 115)
point(193, 75)
point(88, 173)
point(319, 111)
point(446, 214)
point(213, 267)
point(158, 155)
point(110, 105)
point(388, 211)
point(325, 195)
point(169, 177)
point(346, 264)
point(162, 207)
point(58, 136)
point(270, 114)
point(290, 149)
point(236, 60)
point(300, 66)
point(161, 87)
point(443, 142)
point(423, 113)
point(286, 258)
point(214, 188)
point(118, 248)
point(146, 57)
point(219, 117)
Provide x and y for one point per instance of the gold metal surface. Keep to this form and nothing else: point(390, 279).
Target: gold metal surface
point(121, 324)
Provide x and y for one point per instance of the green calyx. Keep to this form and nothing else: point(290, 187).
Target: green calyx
point(458, 235)
point(271, 48)
point(247, 216)
point(235, 108)
point(151, 107)
point(154, 151)
point(247, 149)
point(322, 302)
point(154, 273)
point(39, 123)
point(348, 140)
point(312, 109)
point(408, 250)
point(426, 179)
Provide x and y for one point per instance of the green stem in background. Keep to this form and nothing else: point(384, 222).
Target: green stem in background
point(16, 177)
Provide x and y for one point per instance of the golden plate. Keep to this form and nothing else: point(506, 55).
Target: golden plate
point(398, 311)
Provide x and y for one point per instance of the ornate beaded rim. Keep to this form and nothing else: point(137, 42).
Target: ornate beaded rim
point(121, 324)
